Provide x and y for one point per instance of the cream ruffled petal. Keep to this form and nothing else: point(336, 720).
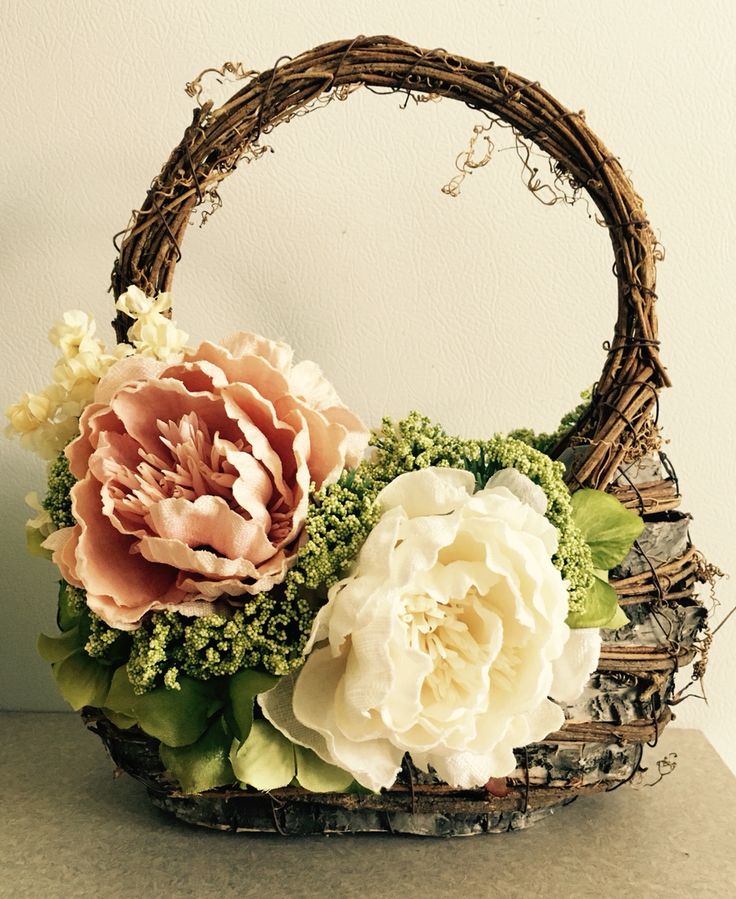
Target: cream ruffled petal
point(579, 659)
point(428, 491)
point(522, 487)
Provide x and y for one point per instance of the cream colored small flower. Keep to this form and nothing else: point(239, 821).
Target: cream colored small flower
point(74, 334)
point(46, 421)
point(42, 521)
point(38, 528)
point(155, 335)
point(86, 367)
point(32, 411)
point(136, 304)
point(50, 438)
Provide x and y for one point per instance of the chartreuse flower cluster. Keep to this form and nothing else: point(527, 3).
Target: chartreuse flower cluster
point(58, 502)
point(545, 442)
point(268, 631)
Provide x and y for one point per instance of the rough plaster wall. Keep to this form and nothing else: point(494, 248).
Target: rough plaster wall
point(486, 311)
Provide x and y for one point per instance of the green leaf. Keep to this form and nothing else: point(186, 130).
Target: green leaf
point(178, 717)
point(121, 699)
point(34, 539)
point(175, 717)
point(608, 528)
point(265, 760)
point(243, 688)
point(357, 789)
point(69, 612)
point(203, 765)
point(82, 681)
point(318, 776)
point(620, 619)
point(56, 649)
point(601, 604)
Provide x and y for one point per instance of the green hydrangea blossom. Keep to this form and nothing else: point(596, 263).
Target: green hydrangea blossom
point(268, 632)
point(544, 442)
point(58, 502)
point(340, 518)
point(101, 637)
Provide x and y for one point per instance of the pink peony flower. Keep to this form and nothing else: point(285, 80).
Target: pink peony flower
point(194, 476)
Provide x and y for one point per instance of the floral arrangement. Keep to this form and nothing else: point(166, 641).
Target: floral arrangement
point(280, 596)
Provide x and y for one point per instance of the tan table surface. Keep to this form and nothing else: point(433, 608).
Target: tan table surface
point(68, 829)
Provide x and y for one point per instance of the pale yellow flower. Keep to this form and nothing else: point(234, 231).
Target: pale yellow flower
point(74, 334)
point(38, 528)
point(32, 411)
point(157, 336)
point(136, 304)
point(87, 367)
point(46, 421)
point(42, 521)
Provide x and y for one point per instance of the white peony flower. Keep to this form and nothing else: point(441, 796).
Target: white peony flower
point(445, 641)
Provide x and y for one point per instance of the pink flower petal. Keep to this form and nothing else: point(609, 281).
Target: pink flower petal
point(355, 442)
point(269, 575)
point(127, 619)
point(271, 441)
point(245, 344)
point(209, 521)
point(184, 559)
point(267, 376)
point(106, 563)
point(127, 371)
point(95, 419)
point(308, 384)
point(63, 544)
point(197, 377)
point(253, 488)
point(141, 406)
point(325, 460)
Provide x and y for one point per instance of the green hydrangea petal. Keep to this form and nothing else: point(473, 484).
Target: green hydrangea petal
point(203, 765)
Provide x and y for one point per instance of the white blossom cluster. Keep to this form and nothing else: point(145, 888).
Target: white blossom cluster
point(48, 420)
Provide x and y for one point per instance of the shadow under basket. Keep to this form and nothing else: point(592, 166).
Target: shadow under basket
point(614, 446)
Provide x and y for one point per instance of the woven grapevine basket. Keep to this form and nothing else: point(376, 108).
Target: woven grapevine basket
point(612, 447)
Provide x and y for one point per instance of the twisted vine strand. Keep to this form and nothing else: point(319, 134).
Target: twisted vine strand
point(219, 139)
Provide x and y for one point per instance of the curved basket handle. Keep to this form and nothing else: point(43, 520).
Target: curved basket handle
point(619, 416)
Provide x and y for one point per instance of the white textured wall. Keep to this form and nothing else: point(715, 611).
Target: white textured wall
point(486, 312)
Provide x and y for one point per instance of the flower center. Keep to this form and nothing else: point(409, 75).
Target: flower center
point(455, 637)
point(197, 466)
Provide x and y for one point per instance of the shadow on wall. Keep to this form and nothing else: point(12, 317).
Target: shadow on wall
point(29, 589)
